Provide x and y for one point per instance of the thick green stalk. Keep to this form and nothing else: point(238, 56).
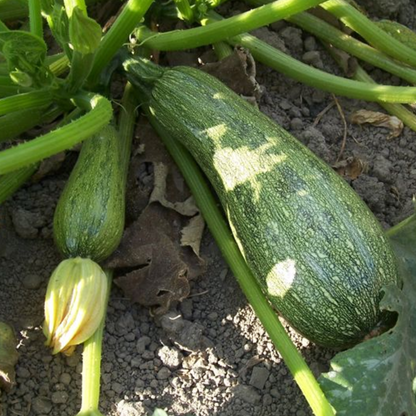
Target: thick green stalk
point(221, 30)
point(24, 101)
point(337, 38)
point(9, 90)
point(401, 112)
point(61, 139)
point(91, 366)
point(126, 124)
point(377, 37)
point(117, 35)
point(58, 63)
point(3, 27)
point(299, 71)
point(398, 110)
point(222, 235)
point(222, 50)
point(16, 123)
point(11, 182)
point(185, 10)
point(35, 18)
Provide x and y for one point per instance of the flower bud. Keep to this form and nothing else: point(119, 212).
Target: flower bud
point(75, 303)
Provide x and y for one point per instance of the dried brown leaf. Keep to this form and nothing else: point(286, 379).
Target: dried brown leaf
point(237, 71)
point(376, 118)
point(8, 356)
point(152, 265)
point(186, 207)
point(352, 167)
point(192, 233)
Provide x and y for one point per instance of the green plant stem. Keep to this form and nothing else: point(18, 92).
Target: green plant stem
point(117, 35)
point(24, 101)
point(35, 18)
point(60, 139)
point(401, 112)
point(222, 235)
point(16, 123)
point(222, 50)
point(377, 37)
point(299, 71)
point(11, 182)
point(185, 10)
point(398, 110)
point(224, 29)
point(3, 27)
point(126, 124)
point(91, 365)
point(58, 63)
point(9, 90)
point(337, 38)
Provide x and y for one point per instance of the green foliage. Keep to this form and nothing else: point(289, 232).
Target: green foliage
point(25, 54)
point(378, 377)
point(84, 32)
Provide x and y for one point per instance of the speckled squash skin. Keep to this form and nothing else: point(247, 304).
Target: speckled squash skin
point(315, 248)
point(89, 217)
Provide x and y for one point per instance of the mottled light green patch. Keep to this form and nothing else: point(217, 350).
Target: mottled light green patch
point(244, 164)
point(281, 277)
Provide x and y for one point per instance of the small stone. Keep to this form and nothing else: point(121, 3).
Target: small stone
point(296, 124)
point(142, 343)
point(313, 58)
point(223, 274)
point(163, 374)
point(26, 223)
point(267, 400)
point(247, 394)
point(213, 316)
point(32, 281)
point(59, 397)
point(117, 387)
point(186, 308)
point(41, 405)
point(310, 43)
point(170, 357)
point(292, 37)
point(23, 372)
point(275, 393)
point(259, 377)
point(65, 378)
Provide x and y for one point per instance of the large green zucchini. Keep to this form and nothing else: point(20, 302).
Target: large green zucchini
point(89, 217)
point(315, 248)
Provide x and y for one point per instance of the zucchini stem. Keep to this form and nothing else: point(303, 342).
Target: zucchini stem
point(377, 37)
point(127, 120)
point(222, 235)
point(222, 30)
point(60, 139)
point(337, 38)
point(33, 99)
point(35, 18)
point(91, 365)
point(11, 182)
point(119, 32)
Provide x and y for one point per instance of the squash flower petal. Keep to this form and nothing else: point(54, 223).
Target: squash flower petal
point(75, 303)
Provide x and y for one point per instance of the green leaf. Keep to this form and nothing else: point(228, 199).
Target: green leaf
point(8, 356)
point(378, 376)
point(25, 54)
point(84, 32)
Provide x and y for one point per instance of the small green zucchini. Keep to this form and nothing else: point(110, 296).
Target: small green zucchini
point(315, 248)
point(89, 217)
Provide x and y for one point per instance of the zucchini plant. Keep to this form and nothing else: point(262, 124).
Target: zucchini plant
point(315, 250)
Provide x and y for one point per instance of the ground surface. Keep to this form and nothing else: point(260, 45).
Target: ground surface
point(214, 357)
